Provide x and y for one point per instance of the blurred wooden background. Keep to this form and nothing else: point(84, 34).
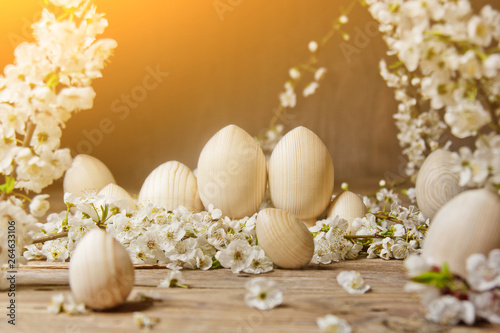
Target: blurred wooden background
point(225, 66)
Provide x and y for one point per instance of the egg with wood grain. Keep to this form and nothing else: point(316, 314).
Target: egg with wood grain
point(101, 274)
point(468, 223)
point(437, 182)
point(284, 238)
point(171, 185)
point(301, 174)
point(232, 173)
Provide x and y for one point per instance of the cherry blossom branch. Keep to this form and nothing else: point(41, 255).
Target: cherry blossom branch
point(313, 59)
point(50, 237)
point(379, 236)
point(385, 216)
point(366, 236)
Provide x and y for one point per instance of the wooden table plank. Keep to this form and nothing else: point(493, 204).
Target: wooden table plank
point(214, 302)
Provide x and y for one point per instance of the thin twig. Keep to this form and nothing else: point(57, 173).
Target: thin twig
point(313, 59)
point(29, 133)
point(387, 217)
point(366, 236)
point(383, 216)
point(50, 237)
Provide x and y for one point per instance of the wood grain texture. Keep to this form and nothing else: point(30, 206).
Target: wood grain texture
point(101, 274)
point(232, 173)
point(469, 223)
point(171, 185)
point(214, 302)
point(437, 182)
point(284, 238)
point(347, 205)
point(301, 174)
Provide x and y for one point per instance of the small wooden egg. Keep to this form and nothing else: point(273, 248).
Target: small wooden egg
point(436, 182)
point(301, 174)
point(284, 238)
point(347, 205)
point(86, 173)
point(171, 185)
point(468, 223)
point(118, 193)
point(232, 173)
point(101, 274)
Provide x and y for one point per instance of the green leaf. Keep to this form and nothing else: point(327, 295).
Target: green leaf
point(441, 279)
point(396, 65)
point(436, 279)
point(483, 56)
point(394, 7)
point(388, 232)
point(434, 32)
point(104, 211)
point(215, 264)
point(446, 271)
point(51, 80)
point(8, 187)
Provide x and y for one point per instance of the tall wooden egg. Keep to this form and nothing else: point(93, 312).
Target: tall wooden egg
point(301, 174)
point(232, 173)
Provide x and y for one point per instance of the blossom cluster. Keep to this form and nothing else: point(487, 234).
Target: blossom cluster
point(388, 230)
point(445, 77)
point(183, 239)
point(402, 228)
point(153, 236)
point(451, 299)
point(330, 244)
point(48, 82)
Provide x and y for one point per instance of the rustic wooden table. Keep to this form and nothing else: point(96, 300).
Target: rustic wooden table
point(214, 302)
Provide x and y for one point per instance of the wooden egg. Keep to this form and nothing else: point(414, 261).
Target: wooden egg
point(468, 223)
point(86, 173)
point(232, 173)
point(118, 193)
point(436, 182)
point(284, 238)
point(171, 185)
point(347, 205)
point(301, 174)
point(101, 274)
